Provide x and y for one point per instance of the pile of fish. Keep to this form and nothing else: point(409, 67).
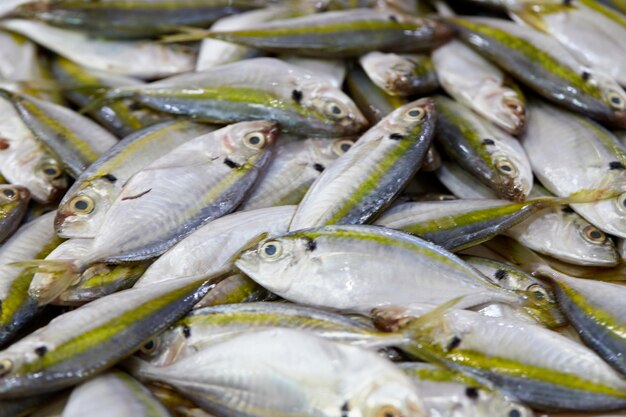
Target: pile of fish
point(312, 208)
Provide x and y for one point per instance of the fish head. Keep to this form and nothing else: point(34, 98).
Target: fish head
point(609, 215)
point(391, 395)
point(246, 142)
point(512, 174)
point(581, 242)
point(327, 151)
point(613, 100)
point(334, 107)
point(505, 106)
point(412, 119)
point(275, 262)
point(81, 211)
point(49, 180)
point(164, 349)
point(13, 197)
point(539, 302)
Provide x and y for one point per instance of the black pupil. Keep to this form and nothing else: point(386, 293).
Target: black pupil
point(50, 171)
point(335, 110)
point(81, 205)
point(616, 100)
point(149, 345)
point(345, 147)
point(514, 413)
point(255, 140)
point(270, 250)
point(414, 113)
point(505, 168)
point(595, 234)
point(389, 414)
point(9, 193)
point(624, 202)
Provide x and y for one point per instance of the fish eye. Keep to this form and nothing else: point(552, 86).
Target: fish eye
point(593, 235)
point(5, 367)
point(415, 114)
point(616, 100)
point(271, 250)
point(388, 411)
point(51, 171)
point(255, 140)
point(82, 204)
point(342, 146)
point(11, 194)
point(149, 347)
point(336, 110)
point(514, 412)
point(506, 167)
point(538, 291)
point(515, 105)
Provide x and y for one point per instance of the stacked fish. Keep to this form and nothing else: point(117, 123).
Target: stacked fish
point(312, 208)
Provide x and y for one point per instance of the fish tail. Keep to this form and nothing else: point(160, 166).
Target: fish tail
point(103, 95)
point(59, 275)
point(187, 34)
point(140, 369)
point(590, 195)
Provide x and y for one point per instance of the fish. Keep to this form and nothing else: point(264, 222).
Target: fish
point(539, 367)
point(288, 371)
point(545, 66)
point(294, 167)
point(458, 224)
point(586, 156)
point(206, 327)
point(237, 288)
point(359, 31)
point(95, 282)
point(356, 268)
point(252, 89)
point(113, 393)
point(83, 208)
point(74, 140)
point(13, 205)
point(34, 240)
point(217, 169)
point(448, 393)
point(400, 75)
point(24, 161)
point(139, 58)
point(495, 158)
point(120, 118)
point(213, 245)
point(364, 180)
point(130, 19)
point(481, 86)
point(588, 29)
point(81, 343)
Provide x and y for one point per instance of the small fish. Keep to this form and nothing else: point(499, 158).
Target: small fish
point(34, 240)
point(358, 268)
point(476, 83)
point(83, 342)
point(400, 75)
point(141, 58)
point(83, 208)
point(293, 168)
point(209, 326)
point(24, 161)
point(113, 394)
point(364, 180)
point(458, 224)
point(237, 288)
point(288, 372)
point(586, 156)
point(490, 154)
point(73, 139)
point(537, 366)
point(451, 394)
point(336, 34)
point(120, 118)
point(252, 89)
point(95, 282)
point(130, 18)
point(13, 205)
point(545, 66)
point(212, 246)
